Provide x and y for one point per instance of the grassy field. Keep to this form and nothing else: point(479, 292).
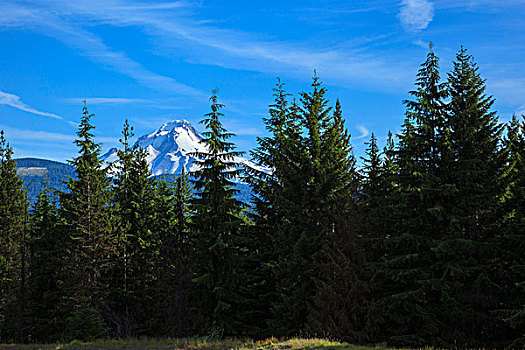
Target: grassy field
point(194, 344)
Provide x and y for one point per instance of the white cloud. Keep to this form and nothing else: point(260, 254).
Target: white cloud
point(421, 44)
point(105, 100)
point(364, 132)
point(176, 28)
point(45, 144)
point(416, 15)
point(34, 135)
point(520, 111)
point(59, 20)
point(246, 131)
point(486, 6)
point(507, 90)
point(38, 135)
point(15, 102)
point(94, 48)
point(165, 103)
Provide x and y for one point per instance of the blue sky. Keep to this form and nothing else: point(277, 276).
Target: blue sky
point(152, 62)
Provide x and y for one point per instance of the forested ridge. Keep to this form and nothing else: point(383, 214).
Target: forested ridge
point(423, 244)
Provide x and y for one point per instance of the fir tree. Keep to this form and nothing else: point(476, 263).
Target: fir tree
point(85, 210)
point(512, 242)
point(406, 307)
point(476, 176)
point(372, 172)
point(294, 240)
point(134, 245)
point(278, 152)
point(13, 209)
point(48, 246)
point(216, 224)
point(180, 257)
point(315, 193)
point(172, 205)
point(338, 306)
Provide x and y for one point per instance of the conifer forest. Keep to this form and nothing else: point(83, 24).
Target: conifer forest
point(420, 243)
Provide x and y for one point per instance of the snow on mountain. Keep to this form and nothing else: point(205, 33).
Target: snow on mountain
point(169, 149)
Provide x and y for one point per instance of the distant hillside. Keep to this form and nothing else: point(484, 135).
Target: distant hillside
point(34, 171)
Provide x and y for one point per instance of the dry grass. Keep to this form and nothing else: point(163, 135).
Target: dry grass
point(194, 344)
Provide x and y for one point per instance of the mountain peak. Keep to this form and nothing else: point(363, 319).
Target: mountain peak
point(172, 148)
point(177, 124)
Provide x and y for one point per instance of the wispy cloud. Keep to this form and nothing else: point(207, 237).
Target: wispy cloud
point(15, 102)
point(416, 15)
point(35, 135)
point(46, 136)
point(507, 90)
point(58, 20)
point(241, 129)
point(520, 110)
point(364, 132)
point(168, 104)
point(94, 48)
point(177, 27)
point(420, 43)
point(106, 100)
point(478, 5)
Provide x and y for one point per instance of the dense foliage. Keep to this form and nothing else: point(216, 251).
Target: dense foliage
point(423, 244)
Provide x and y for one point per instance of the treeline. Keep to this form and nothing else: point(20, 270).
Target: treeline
point(422, 245)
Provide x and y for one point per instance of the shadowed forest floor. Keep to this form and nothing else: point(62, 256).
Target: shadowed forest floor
point(194, 344)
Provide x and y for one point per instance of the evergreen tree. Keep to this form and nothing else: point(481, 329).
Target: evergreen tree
point(389, 165)
point(86, 212)
point(512, 243)
point(406, 306)
point(47, 269)
point(133, 244)
point(216, 223)
point(313, 192)
point(376, 190)
point(301, 237)
point(476, 175)
point(372, 172)
point(294, 241)
point(272, 196)
point(172, 205)
point(338, 306)
point(13, 213)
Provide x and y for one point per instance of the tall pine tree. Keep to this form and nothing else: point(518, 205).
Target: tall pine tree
point(48, 246)
point(216, 224)
point(13, 246)
point(276, 152)
point(338, 306)
point(511, 244)
point(406, 304)
point(85, 208)
point(172, 226)
point(133, 244)
point(475, 172)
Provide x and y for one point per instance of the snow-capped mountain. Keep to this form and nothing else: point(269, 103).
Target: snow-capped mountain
point(169, 149)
